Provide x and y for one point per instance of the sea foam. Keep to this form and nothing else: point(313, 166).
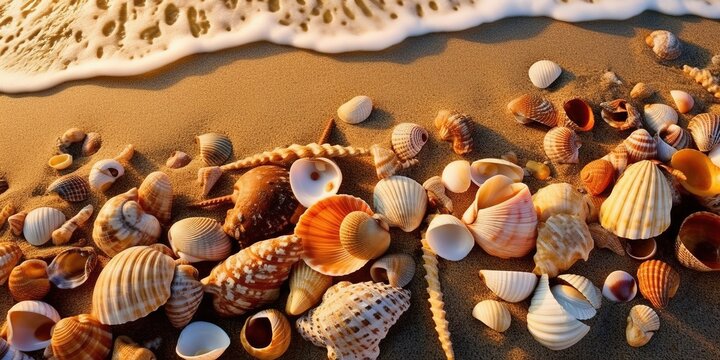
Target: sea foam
point(47, 42)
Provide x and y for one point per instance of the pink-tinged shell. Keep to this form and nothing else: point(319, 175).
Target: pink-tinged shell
point(705, 130)
point(619, 287)
point(640, 145)
point(408, 139)
point(456, 127)
point(178, 159)
point(562, 240)
point(72, 188)
point(528, 108)
point(29, 280)
point(266, 335)
point(698, 242)
point(122, 223)
point(155, 196)
point(664, 44)
point(199, 239)
point(562, 145)
point(658, 282)
point(684, 102)
point(620, 114)
point(511, 286)
point(10, 254)
point(549, 323)
point(29, 325)
point(618, 157)
point(81, 337)
point(186, 292)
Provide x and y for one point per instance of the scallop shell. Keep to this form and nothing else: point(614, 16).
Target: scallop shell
point(659, 115)
point(578, 115)
point(371, 308)
point(604, 239)
point(72, 188)
point(619, 286)
point(116, 300)
point(583, 285)
point(186, 292)
point(456, 176)
point(684, 102)
point(40, 223)
point(492, 313)
point(91, 144)
point(658, 282)
point(307, 287)
point(702, 176)
point(664, 44)
point(642, 323)
point(562, 145)
point(639, 205)
point(640, 145)
point(72, 267)
point(697, 242)
point(620, 114)
point(266, 335)
point(356, 110)
point(81, 337)
point(448, 237)
point(408, 139)
point(104, 173)
point(597, 175)
point(437, 199)
point(29, 280)
point(618, 157)
point(202, 340)
point(9, 352)
point(387, 163)
point(364, 236)
point(122, 223)
point(401, 200)
point(215, 149)
point(562, 240)
point(549, 323)
point(178, 159)
point(573, 302)
point(60, 162)
point(312, 180)
point(126, 349)
point(641, 249)
point(395, 269)
point(64, 233)
point(10, 254)
point(456, 127)
point(543, 73)
point(559, 198)
point(511, 286)
point(29, 325)
point(528, 108)
point(670, 139)
point(155, 196)
point(705, 130)
point(199, 239)
point(482, 170)
point(642, 91)
point(502, 218)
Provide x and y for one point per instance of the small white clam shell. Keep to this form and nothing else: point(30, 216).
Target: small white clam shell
point(492, 313)
point(356, 110)
point(29, 323)
point(449, 238)
point(104, 173)
point(659, 115)
point(684, 102)
point(543, 73)
point(456, 176)
point(481, 170)
point(619, 287)
point(511, 286)
point(40, 224)
point(199, 239)
point(202, 340)
point(312, 180)
point(573, 302)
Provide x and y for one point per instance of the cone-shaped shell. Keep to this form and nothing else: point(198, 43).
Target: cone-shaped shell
point(456, 176)
point(449, 238)
point(559, 198)
point(81, 337)
point(155, 196)
point(684, 102)
point(215, 149)
point(356, 110)
point(104, 173)
point(266, 335)
point(401, 200)
point(252, 277)
point(573, 302)
point(202, 340)
point(29, 324)
point(186, 292)
point(578, 115)
point(639, 205)
point(9, 352)
point(620, 114)
point(640, 145)
point(511, 286)
point(698, 241)
point(314, 179)
point(492, 313)
point(72, 267)
point(10, 254)
point(364, 236)
point(562, 240)
point(199, 239)
point(456, 127)
point(126, 349)
point(585, 287)
point(527, 108)
point(703, 177)
point(658, 282)
point(29, 280)
point(642, 323)
point(408, 139)
point(543, 73)
point(91, 144)
point(177, 160)
point(658, 116)
point(72, 188)
point(484, 169)
point(597, 175)
point(549, 323)
point(122, 223)
point(40, 223)
point(619, 286)
point(16, 222)
point(437, 199)
point(307, 287)
point(705, 130)
point(354, 318)
point(394, 269)
point(60, 162)
point(664, 44)
point(117, 299)
point(670, 139)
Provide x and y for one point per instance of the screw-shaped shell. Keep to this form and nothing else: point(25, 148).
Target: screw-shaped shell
point(307, 287)
point(215, 149)
point(266, 335)
point(186, 292)
point(72, 188)
point(81, 337)
point(658, 282)
point(29, 280)
point(395, 269)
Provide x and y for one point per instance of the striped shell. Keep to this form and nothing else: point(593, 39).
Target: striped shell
point(215, 149)
point(40, 224)
point(91, 144)
point(698, 241)
point(705, 130)
point(658, 282)
point(9, 352)
point(29, 280)
point(511, 286)
point(658, 116)
point(65, 232)
point(186, 292)
point(585, 287)
point(664, 44)
point(549, 323)
point(618, 157)
point(72, 188)
point(314, 179)
point(394, 269)
point(408, 139)
point(492, 313)
point(620, 114)
point(437, 198)
point(126, 349)
point(670, 139)
point(356, 110)
point(562, 145)
point(483, 169)
point(456, 127)
point(364, 236)
point(177, 160)
point(122, 223)
point(543, 73)
point(202, 340)
point(266, 335)
point(199, 239)
point(640, 145)
point(684, 102)
point(81, 337)
point(387, 163)
point(10, 254)
point(3, 184)
point(528, 108)
point(6, 212)
point(28, 325)
point(307, 287)
point(597, 175)
point(562, 240)
point(642, 322)
point(72, 267)
point(401, 200)
point(604, 239)
point(155, 196)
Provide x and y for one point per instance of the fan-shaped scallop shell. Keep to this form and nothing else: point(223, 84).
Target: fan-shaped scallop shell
point(543, 73)
point(177, 160)
point(10, 254)
point(356, 110)
point(126, 349)
point(664, 44)
point(81, 337)
point(155, 196)
point(620, 114)
point(697, 242)
point(562, 145)
point(642, 322)
point(199, 239)
point(559, 198)
point(40, 224)
point(684, 102)
point(72, 188)
point(659, 115)
point(395, 269)
point(658, 282)
point(29, 280)
point(705, 130)
point(266, 335)
point(104, 173)
point(527, 108)
point(492, 313)
point(72, 267)
point(456, 127)
point(640, 145)
point(307, 287)
point(122, 223)
point(511, 286)
point(585, 287)
point(670, 139)
point(408, 139)
point(91, 144)
point(597, 175)
point(562, 240)
point(578, 115)
point(29, 323)
point(186, 292)
point(215, 149)
point(401, 200)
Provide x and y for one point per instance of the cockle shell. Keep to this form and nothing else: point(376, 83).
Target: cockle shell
point(91, 144)
point(597, 175)
point(394, 269)
point(122, 223)
point(266, 335)
point(620, 114)
point(202, 340)
point(578, 115)
point(408, 139)
point(186, 292)
point(483, 169)
point(684, 102)
point(448, 237)
point(642, 91)
point(117, 300)
point(698, 241)
point(642, 249)
point(72, 267)
point(664, 44)
point(640, 145)
point(639, 205)
point(81, 337)
point(659, 115)
point(502, 218)
point(401, 200)
point(705, 78)
point(16, 222)
point(670, 139)
point(60, 162)
point(456, 127)
point(364, 236)
point(511, 286)
point(583, 285)
point(307, 287)
point(356, 110)
point(604, 239)
point(528, 108)
point(40, 224)
point(126, 349)
point(543, 73)
point(252, 277)
point(562, 145)
point(702, 176)
point(492, 313)
point(72, 188)
point(29, 325)
point(353, 318)
point(562, 240)
point(705, 130)
point(618, 157)
point(29, 280)
point(155, 196)
point(63, 234)
point(658, 282)
point(312, 180)
point(178, 159)
point(9, 352)
point(642, 323)
point(104, 173)
point(215, 149)
point(559, 198)
point(437, 199)
point(573, 302)
point(10, 254)
point(456, 176)
point(387, 163)
point(619, 286)
point(199, 239)
point(549, 323)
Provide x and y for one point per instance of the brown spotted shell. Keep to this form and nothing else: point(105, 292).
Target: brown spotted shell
point(658, 282)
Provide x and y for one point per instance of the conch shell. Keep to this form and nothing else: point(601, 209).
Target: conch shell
point(122, 223)
point(155, 196)
point(562, 240)
point(401, 200)
point(456, 127)
point(266, 335)
point(307, 287)
point(186, 292)
point(528, 108)
point(549, 323)
point(80, 337)
point(658, 282)
point(698, 242)
point(642, 323)
point(562, 145)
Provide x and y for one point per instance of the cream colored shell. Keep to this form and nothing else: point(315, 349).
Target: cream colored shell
point(492, 313)
point(562, 240)
point(356, 110)
point(40, 224)
point(401, 200)
point(511, 286)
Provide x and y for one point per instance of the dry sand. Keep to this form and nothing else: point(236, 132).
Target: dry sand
point(264, 96)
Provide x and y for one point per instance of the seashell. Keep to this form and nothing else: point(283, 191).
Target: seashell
point(510, 156)
point(597, 175)
point(543, 73)
point(117, 300)
point(91, 144)
point(618, 157)
point(684, 102)
point(658, 282)
point(63, 234)
point(639, 205)
point(456, 176)
point(266, 335)
point(502, 219)
point(401, 200)
point(178, 159)
point(3, 184)
point(104, 173)
point(394, 269)
point(40, 224)
point(592, 206)
point(371, 308)
point(122, 223)
point(72, 135)
point(456, 127)
point(559, 198)
point(578, 115)
point(126, 349)
point(538, 170)
point(198, 239)
point(549, 323)
point(448, 237)
point(674, 183)
point(72, 267)
point(202, 340)
point(702, 176)
point(641, 249)
point(620, 114)
point(207, 177)
point(307, 287)
point(585, 287)
point(387, 162)
point(604, 239)
point(642, 91)
point(658, 116)
point(619, 286)
point(562, 240)
point(670, 139)
point(528, 108)
point(697, 242)
point(356, 110)
point(60, 162)
point(610, 79)
point(10, 254)
point(81, 337)
point(705, 78)
point(705, 130)
point(364, 236)
point(562, 145)
point(215, 149)
point(7, 211)
point(408, 139)
point(492, 313)
point(437, 198)
point(481, 170)
point(642, 323)
point(573, 302)
point(252, 277)
point(155, 196)
point(9, 352)
point(186, 292)
point(511, 286)
point(312, 180)
point(435, 298)
point(640, 145)
point(72, 188)
point(664, 44)
point(29, 280)
point(714, 155)
point(29, 325)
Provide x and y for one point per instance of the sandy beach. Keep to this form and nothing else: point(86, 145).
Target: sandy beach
point(264, 95)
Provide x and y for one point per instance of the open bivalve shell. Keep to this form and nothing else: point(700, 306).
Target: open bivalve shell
point(202, 341)
point(658, 282)
point(104, 173)
point(401, 200)
point(408, 139)
point(484, 169)
point(437, 198)
point(29, 280)
point(186, 292)
point(697, 245)
point(658, 116)
point(266, 335)
point(528, 108)
point(619, 286)
point(314, 179)
point(642, 322)
point(559, 198)
point(40, 224)
point(122, 223)
point(307, 287)
point(584, 286)
point(448, 237)
point(573, 301)
point(703, 177)
point(155, 196)
point(72, 267)
point(562, 145)
point(198, 239)
point(80, 337)
point(215, 149)
point(511, 286)
point(29, 324)
point(394, 269)
point(562, 240)
point(492, 313)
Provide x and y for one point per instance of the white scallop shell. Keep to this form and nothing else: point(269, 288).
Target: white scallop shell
point(198, 239)
point(314, 179)
point(684, 102)
point(202, 340)
point(642, 322)
point(585, 287)
point(492, 313)
point(573, 302)
point(511, 286)
point(543, 73)
point(104, 173)
point(356, 110)
point(40, 224)
point(449, 238)
point(659, 115)
point(483, 169)
point(29, 323)
point(456, 176)
point(401, 200)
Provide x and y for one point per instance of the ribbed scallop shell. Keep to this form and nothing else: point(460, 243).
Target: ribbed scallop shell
point(664, 44)
point(619, 286)
point(698, 241)
point(10, 254)
point(640, 145)
point(263, 342)
point(215, 149)
point(72, 188)
point(104, 173)
point(133, 284)
point(620, 114)
point(122, 223)
point(684, 102)
point(354, 318)
point(356, 110)
point(29, 280)
point(511, 286)
point(72, 267)
point(483, 169)
point(408, 139)
point(573, 302)
point(126, 349)
point(364, 236)
point(562, 145)
point(40, 223)
point(456, 127)
point(16, 222)
point(659, 115)
point(639, 205)
point(401, 200)
point(307, 287)
point(670, 139)
point(527, 108)
point(618, 157)
point(559, 198)
point(705, 130)
point(642, 322)
point(186, 292)
point(658, 282)
point(492, 313)
point(91, 144)
point(437, 199)
point(8, 352)
point(585, 287)
point(177, 160)
point(29, 324)
point(562, 240)
point(395, 269)
point(597, 175)
point(199, 239)
point(155, 196)
point(543, 73)
point(604, 239)
point(81, 337)
point(578, 115)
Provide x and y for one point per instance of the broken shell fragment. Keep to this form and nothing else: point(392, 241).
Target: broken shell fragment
point(573, 301)
point(684, 102)
point(538, 170)
point(60, 162)
point(511, 286)
point(492, 313)
point(356, 110)
point(619, 286)
point(437, 199)
point(620, 114)
point(63, 234)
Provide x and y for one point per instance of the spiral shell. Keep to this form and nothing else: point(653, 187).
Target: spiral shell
point(215, 149)
point(186, 292)
point(104, 173)
point(29, 280)
point(81, 337)
point(63, 234)
point(40, 224)
point(126, 349)
point(435, 298)
point(684, 102)
point(72, 188)
point(408, 139)
point(562, 145)
point(177, 160)
point(705, 130)
point(620, 114)
point(456, 127)
point(401, 200)
point(91, 144)
point(10, 254)
point(29, 323)
point(72, 267)
point(543, 73)
point(395, 269)
point(642, 323)
point(697, 242)
point(664, 44)
point(307, 287)
point(356, 110)
point(155, 196)
point(492, 313)
point(511, 286)
point(659, 115)
point(122, 223)
point(597, 175)
point(562, 240)
point(658, 282)
point(528, 108)
point(266, 335)
point(199, 239)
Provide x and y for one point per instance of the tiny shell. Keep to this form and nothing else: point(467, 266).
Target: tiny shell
point(80, 337)
point(705, 130)
point(401, 200)
point(437, 199)
point(658, 282)
point(456, 176)
point(202, 340)
point(10, 254)
point(511, 286)
point(266, 335)
point(60, 162)
point(664, 44)
point(186, 292)
point(578, 115)
point(456, 127)
point(356, 110)
point(63, 234)
point(395, 269)
point(72, 135)
point(641, 249)
point(659, 115)
point(543, 73)
point(387, 163)
point(215, 149)
point(562, 240)
point(72, 188)
point(698, 241)
point(364, 236)
point(483, 169)
point(448, 237)
point(155, 196)
point(619, 286)
point(29, 280)
point(72, 267)
point(6, 212)
point(642, 91)
point(29, 325)
point(104, 173)
point(528, 108)
point(307, 287)
point(492, 313)
point(178, 159)
point(640, 145)
point(538, 170)
point(510, 156)
point(91, 144)
point(620, 114)
point(198, 239)
point(408, 139)
point(562, 145)
point(683, 101)
point(3, 184)
point(126, 349)
point(40, 224)
point(597, 175)
point(642, 323)
point(312, 180)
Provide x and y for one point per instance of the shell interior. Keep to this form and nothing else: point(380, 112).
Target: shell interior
point(202, 338)
point(700, 236)
point(312, 180)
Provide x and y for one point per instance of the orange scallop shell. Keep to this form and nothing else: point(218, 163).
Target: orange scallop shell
point(658, 282)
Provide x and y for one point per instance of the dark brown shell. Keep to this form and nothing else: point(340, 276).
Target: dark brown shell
point(3, 184)
point(72, 188)
point(264, 205)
